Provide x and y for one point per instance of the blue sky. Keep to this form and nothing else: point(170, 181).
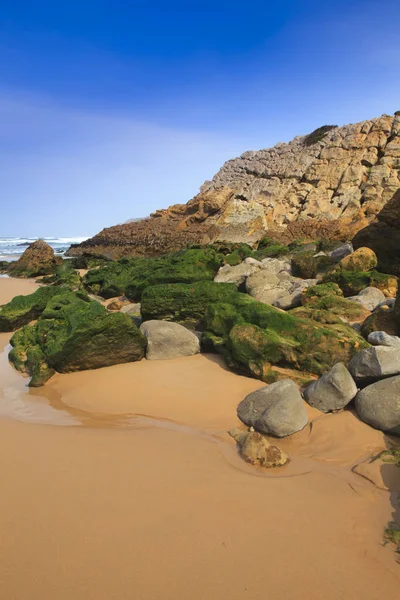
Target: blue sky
point(109, 110)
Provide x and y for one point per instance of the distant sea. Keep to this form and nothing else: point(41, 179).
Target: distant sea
point(11, 248)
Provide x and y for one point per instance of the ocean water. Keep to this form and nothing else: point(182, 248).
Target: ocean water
point(11, 248)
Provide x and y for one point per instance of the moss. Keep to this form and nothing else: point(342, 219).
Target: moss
point(317, 135)
point(335, 305)
point(269, 248)
point(4, 265)
point(321, 290)
point(353, 282)
point(253, 337)
point(308, 266)
point(74, 334)
point(132, 276)
point(184, 303)
point(65, 275)
point(88, 262)
point(23, 309)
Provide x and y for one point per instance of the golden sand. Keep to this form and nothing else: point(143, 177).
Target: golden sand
point(121, 484)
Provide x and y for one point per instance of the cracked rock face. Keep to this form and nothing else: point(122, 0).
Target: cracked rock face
point(333, 187)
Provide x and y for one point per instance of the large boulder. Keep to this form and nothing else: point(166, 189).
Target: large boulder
point(363, 259)
point(369, 298)
point(379, 405)
point(353, 282)
point(333, 391)
point(375, 362)
point(381, 338)
point(276, 409)
point(168, 340)
point(260, 340)
point(236, 274)
point(307, 265)
point(24, 309)
point(257, 450)
point(383, 236)
point(280, 289)
point(184, 303)
point(74, 334)
point(132, 276)
point(38, 259)
point(325, 301)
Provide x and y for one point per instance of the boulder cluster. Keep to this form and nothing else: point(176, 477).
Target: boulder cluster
point(315, 321)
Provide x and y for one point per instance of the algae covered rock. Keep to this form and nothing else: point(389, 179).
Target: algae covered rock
point(257, 450)
point(23, 309)
point(309, 266)
point(186, 303)
point(258, 339)
point(363, 259)
point(38, 259)
point(74, 334)
point(353, 282)
point(132, 276)
point(65, 275)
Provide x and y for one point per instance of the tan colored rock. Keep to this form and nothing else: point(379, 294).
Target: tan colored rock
point(114, 305)
point(329, 189)
point(257, 450)
point(38, 259)
point(363, 259)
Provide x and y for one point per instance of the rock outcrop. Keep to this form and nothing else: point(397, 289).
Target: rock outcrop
point(328, 185)
point(38, 259)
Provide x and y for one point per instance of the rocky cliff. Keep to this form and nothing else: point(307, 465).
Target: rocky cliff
point(330, 184)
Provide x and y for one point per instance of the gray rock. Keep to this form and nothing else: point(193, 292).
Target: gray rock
point(131, 309)
point(277, 265)
point(276, 409)
point(237, 274)
point(333, 391)
point(379, 405)
point(381, 338)
point(253, 261)
point(167, 340)
point(375, 363)
point(281, 289)
point(341, 252)
point(369, 298)
point(289, 301)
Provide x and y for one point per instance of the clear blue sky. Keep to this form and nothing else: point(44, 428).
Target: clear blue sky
point(111, 109)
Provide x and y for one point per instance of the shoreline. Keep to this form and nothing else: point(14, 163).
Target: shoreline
point(143, 494)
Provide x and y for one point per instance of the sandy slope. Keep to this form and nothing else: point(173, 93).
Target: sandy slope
point(160, 507)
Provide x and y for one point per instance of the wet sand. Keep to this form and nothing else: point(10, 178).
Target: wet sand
point(100, 503)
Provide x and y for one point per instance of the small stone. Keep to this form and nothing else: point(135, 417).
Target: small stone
point(257, 450)
point(341, 252)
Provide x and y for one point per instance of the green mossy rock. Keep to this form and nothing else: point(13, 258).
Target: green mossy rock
point(308, 266)
point(88, 262)
point(319, 291)
point(353, 282)
point(184, 303)
point(4, 265)
point(254, 338)
point(132, 276)
point(329, 299)
point(75, 334)
point(23, 309)
point(65, 275)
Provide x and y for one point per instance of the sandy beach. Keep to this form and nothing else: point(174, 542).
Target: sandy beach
point(122, 483)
